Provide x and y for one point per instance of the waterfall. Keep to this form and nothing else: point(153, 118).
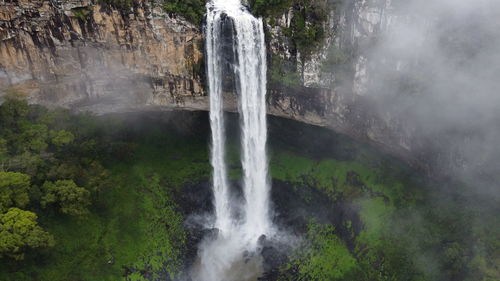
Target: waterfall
point(250, 71)
point(219, 178)
point(233, 255)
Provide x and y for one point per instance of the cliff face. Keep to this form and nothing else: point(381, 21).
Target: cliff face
point(335, 78)
point(81, 55)
point(84, 56)
point(416, 80)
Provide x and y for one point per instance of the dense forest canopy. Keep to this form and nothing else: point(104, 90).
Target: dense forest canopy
point(43, 169)
point(81, 195)
point(56, 198)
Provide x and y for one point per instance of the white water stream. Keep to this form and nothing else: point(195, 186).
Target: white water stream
point(251, 71)
point(219, 178)
point(233, 254)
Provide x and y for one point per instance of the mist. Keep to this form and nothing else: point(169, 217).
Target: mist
point(433, 67)
point(432, 71)
point(401, 183)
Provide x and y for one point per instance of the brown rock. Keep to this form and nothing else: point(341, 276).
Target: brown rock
point(86, 56)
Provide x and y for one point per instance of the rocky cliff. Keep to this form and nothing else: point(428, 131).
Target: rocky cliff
point(85, 56)
point(416, 79)
point(82, 55)
point(333, 89)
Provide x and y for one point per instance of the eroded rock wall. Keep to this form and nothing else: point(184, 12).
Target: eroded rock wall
point(333, 91)
point(414, 79)
point(82, 55)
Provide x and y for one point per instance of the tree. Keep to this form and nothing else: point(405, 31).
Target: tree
point(61, 138)
point(34, 137)
point(327, 257)
point(19, 231)
point(14, 189)
point(269, 8)
point(3, 148)
point(192, 10)
point(12, 111)
point(71, 199)
point(3, 153)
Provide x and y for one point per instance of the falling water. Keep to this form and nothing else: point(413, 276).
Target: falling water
point(251, 71)
point(219, 178)
point(232, 255)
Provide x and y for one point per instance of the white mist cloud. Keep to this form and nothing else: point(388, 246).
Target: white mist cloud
point(435, 66)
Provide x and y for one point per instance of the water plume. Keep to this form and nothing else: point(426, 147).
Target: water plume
point(233, 252)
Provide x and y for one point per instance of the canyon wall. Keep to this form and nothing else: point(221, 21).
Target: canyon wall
point(416, 78)
point(333, 91)
point(84, 56)
point(81, 55)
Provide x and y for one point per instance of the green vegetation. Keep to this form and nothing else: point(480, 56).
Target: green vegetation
point(304, 35)
point(306, 31)
point(14, 188)
point(86, 198)
point(405, 229)
point(101, 198)
point(82, 12)
point(342, 179)
point(123, 5)
point(18, 231)
point(72, 200)
point(282, 72)
point(270, 8)
point(326, 257)
point(193, 10)
point(336, 59)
